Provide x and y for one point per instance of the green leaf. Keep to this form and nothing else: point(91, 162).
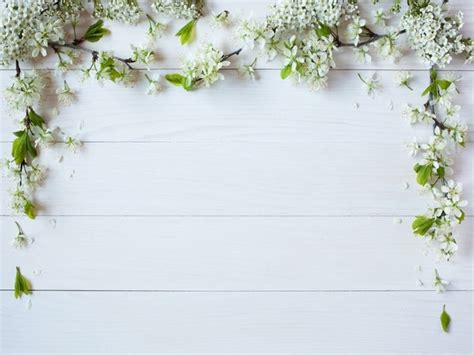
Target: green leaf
point(445, 319)
point(95, 32)
point(423, 173)
point(285, 72)
point(422, 224)
point(186, 32)
point(441, 172)
point(30, 210)
point(323, 30)
point(22, 284)
point(22, 148)
point(34, 118)
point(461, 217)
point(427, 90)
point(175, 79)
point(443, 84)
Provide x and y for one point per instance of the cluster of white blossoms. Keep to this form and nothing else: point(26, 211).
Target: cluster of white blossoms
point(107, 67)
point(290, 15)
point(125, 11)
point(435, 35)
point(25, 90)
point(434, 169)
point(182, 9)
point(309, 60)
point(204, 68)
point(26, 27)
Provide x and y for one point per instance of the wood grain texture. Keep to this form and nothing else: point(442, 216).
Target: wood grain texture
point(229, 253)
point(266, 110)
point(238, 322)
point(251, 217)
point(307, 178)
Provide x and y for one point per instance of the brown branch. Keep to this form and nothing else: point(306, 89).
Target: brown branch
point(373, 37)
point(94, 53)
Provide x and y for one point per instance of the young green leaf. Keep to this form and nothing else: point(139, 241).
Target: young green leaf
point(427, 90)
point(285, 72)
point(422, 224)
point(443, 84)
point(175, 79)
point(22, 148)
point(423, 173)
point(30, 210)
point(445, 319)
point(186, 32)
point(95, 32)
point(323, 30)
point(34, 118)
point(22, 284)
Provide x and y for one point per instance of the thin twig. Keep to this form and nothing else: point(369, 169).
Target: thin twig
point(227, 56)
point(373, 38)
point(94, 53)
point(17, 68)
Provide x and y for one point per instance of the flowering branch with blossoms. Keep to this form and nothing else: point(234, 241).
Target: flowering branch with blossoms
point(304, 35)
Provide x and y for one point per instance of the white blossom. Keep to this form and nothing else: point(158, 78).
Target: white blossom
point(434, 34)
point(65, 94)
point(154, 86)
point(403, 79)
point(362, 54)
point(370, 83)
point(220, 19)
point(439, 283)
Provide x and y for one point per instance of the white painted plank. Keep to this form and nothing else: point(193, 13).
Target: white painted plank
point(401, 322)
point(268, 110)
point(307, 178)
point(229, 253)
point(170, 52)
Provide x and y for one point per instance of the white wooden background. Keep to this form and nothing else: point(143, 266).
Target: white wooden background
point(248, 217)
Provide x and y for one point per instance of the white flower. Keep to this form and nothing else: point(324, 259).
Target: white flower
point(403, 79)
point(370, 83)
point(154, 86)
point(205, 68)
point(355, 29)
point(21, 240)
point(142, 54)
point(439, 283)
point(413, 147)
point(417, 115)
point(183, 9)
point(386, 45)
point(72, 143)
point(65, 94)
point(362, 54)
point(25, 90)
point(290, 15)
point(380, 17)
point(248, 70)
point(155, 28)
point(434, 34)
point(221, 19)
